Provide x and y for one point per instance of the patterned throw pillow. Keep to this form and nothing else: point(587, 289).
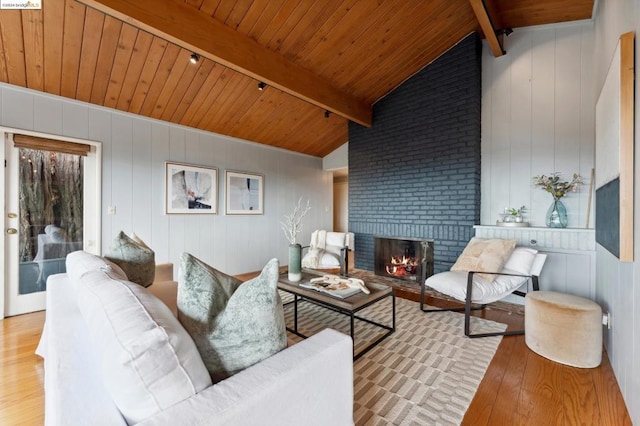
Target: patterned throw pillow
point(135, 258)
point(484, 255)
point(234, 324)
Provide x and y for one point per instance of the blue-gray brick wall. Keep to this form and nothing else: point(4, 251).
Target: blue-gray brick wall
point(416, 171)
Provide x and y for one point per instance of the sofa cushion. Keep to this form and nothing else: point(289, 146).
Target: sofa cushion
point(80, 262)
point(134, 257)
point(234, 324)
point(148, 361)
point(484, 255)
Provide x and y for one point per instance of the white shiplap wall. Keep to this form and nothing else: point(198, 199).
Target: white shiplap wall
point(537, 118)
point(134, 151)
point(618, 283)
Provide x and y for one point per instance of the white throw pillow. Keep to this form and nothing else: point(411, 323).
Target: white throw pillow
point(538, 263)
point(329, 259)
point(148, 360)
point(520, 261)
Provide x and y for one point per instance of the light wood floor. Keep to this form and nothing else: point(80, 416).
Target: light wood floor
point(520, 387)
point(523, 388)
point(21, 371)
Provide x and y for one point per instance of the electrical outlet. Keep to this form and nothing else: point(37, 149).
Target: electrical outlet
point(111, 210)
point(606, 320)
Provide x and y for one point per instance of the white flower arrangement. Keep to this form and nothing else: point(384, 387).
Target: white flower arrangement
point(293, 222)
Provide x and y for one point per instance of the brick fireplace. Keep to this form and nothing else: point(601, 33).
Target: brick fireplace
point(416, 172)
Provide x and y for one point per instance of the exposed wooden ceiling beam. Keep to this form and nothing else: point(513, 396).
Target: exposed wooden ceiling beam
point(482, 15)
point(191, 29)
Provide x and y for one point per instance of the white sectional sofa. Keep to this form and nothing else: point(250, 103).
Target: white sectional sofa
point(309, 383)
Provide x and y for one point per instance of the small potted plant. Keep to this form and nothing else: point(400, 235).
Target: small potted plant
point(512, 216)
point(516, 214)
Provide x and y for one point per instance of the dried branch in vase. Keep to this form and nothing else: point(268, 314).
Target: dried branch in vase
point(293, 222)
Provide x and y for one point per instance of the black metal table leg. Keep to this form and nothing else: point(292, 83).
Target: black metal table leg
point(295, 313)
point(393, 302)
point(353, 338)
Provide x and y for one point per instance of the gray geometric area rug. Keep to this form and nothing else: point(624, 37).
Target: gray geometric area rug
point(426, 373)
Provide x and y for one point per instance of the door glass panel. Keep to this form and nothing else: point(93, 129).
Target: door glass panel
point(50, 215)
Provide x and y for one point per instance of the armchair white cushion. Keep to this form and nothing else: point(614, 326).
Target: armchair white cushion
point(524, 264)
point(523, 261)
point(327, 249)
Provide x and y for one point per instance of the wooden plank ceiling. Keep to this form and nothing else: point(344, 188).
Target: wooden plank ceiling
point(362, 48)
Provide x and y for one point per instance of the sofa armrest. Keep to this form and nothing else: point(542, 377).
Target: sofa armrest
point(164, 287)
point(310, 383)
point(164, 272)
point(167, 292)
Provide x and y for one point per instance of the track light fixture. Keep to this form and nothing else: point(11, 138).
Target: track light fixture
point(262, 85)
point(326, 113)
point(194, 58)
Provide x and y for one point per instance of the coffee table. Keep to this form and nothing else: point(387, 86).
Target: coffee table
point(348, 306)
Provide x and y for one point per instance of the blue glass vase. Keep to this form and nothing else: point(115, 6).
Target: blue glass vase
point(557, 215)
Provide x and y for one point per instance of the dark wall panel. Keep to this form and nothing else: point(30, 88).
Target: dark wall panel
point(416, 172)
point(608, 216)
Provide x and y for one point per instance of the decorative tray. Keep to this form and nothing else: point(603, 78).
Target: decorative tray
point(512, 224)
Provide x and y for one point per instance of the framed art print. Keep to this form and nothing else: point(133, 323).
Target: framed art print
point(244, 193)
point(190, 189)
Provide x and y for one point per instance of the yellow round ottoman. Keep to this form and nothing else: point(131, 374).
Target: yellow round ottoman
point(564, 328)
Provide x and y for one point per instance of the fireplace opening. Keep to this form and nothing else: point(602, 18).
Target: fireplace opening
point(403, 258)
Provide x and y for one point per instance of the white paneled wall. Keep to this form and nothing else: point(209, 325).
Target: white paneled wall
point(134, 151)
point(538, 118)
point(571, 257)
point(618, 283)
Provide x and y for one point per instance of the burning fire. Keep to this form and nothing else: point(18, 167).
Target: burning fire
point(402, 266)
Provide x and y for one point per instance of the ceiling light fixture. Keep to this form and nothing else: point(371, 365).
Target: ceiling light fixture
point(505, 31)
point(194, 58)
point(262, 85)
point(326, 114)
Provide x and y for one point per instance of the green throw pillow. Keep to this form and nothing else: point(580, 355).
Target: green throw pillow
point(234, 324)
point(134, 257)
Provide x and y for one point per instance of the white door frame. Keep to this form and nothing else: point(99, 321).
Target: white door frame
point(92, 235)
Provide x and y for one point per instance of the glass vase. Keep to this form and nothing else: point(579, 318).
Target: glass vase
point(295, 266)
point(557, 215)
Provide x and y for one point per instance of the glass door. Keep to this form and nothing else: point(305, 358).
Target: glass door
point(44, 221)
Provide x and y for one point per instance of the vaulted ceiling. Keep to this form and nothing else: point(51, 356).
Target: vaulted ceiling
point(315, 56)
